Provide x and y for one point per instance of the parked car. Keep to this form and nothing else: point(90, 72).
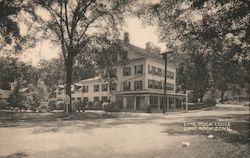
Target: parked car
point(44, 107)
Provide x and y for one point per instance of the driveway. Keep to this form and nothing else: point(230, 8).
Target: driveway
point(127, 135)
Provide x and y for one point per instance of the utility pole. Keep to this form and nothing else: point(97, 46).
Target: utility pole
point(164, 102)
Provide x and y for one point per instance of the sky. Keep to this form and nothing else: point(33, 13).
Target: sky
point(139, 34)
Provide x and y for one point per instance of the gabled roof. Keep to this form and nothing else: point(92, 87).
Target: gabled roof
point(91, 79)
point(145, 53)
point(142, 51)
point(24, 89)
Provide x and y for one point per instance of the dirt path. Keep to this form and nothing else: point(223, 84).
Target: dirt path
point(132, 135)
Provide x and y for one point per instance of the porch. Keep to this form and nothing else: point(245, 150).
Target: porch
point(141, 101)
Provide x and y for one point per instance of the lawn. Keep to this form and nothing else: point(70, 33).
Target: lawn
point(95, 134)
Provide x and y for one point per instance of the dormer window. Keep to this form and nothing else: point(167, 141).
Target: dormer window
point(85, 88)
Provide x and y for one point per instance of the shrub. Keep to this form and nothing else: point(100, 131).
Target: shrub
point(209, 102)
point(60, 105)
point(111, 107)
point(78, 105)
point(97, 105)
point(52, 104)
point(3, 104)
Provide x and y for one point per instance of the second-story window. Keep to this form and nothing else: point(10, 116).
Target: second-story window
point(104, 87)
point(126, 71)
point(150, 83)
point(138, 85)
point(159, 70)
point(96, 88)
point(170, 86)
point(155, 84)
point(138, 69)
point(126, 86)
point(159, 85)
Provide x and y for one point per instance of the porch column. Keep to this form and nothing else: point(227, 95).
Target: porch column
point(146, 102)
point(174, 102)
point(159, 102)
point(134, 102)
point(124, 102)
point(167, 101)
point(182, 103)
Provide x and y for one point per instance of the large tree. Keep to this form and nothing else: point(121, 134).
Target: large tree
point(15, 15)
point(200, 29)
point(52, 72)
point(81, 25)
point(11, 69)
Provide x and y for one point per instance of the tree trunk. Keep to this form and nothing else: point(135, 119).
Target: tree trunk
point(69, 70)
point(222, 96)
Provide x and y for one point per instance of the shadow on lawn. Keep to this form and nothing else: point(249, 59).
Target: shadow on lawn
point(15, 155)
point(79, 121)
point(239, 124)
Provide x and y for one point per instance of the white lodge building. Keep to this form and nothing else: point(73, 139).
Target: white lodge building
point(139, 83)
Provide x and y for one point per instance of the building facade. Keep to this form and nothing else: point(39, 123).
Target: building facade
point(139, 83)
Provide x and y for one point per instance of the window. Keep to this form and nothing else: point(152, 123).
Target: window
point(104, 87)
point(150, 83)
point(170, 74)
point(96, 99)
point(96, 88)
point(104, 98)
point(126, 71)
point(154, 72)
point(170, 86)
point(126, 86)
point(155, 84)
point(85, 89)
point(150, 71)
point(159, 71)
point(85, 99)
point(138, 85)
point(138, 69)
point(79, 99)
point(112, 87)
point(159, 85)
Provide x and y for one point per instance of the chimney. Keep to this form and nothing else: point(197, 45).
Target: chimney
point(148, 46)
point(126, 37)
